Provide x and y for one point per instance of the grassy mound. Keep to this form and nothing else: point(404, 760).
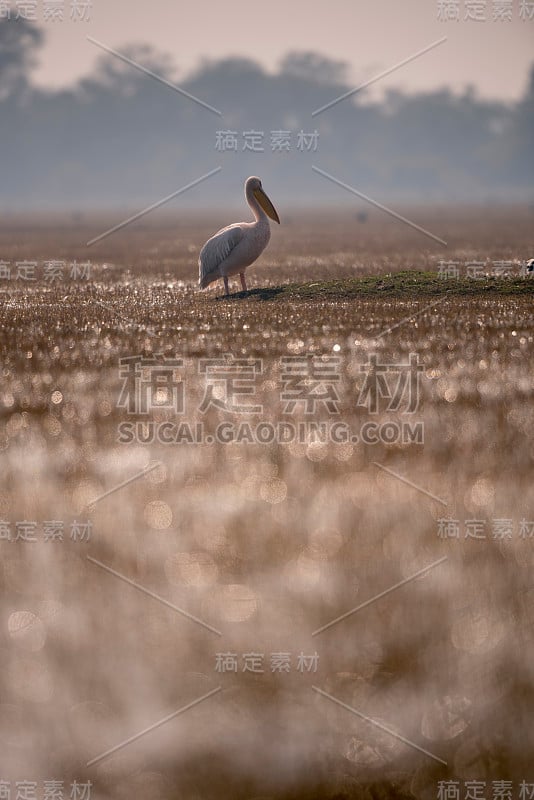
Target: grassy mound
point(406, 284)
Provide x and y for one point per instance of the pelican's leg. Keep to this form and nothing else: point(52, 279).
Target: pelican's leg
point(225, 279)
point(243, 281)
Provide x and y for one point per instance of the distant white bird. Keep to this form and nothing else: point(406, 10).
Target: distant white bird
point(231, 250)
point(530, 265)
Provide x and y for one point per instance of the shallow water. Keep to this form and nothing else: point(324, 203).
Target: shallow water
point(243, 550)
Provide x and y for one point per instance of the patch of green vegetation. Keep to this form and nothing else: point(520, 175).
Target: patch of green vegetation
point(407, 284)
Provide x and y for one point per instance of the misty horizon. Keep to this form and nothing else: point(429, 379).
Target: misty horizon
point(121, 139)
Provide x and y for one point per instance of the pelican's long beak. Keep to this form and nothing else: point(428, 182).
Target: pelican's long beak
point(266, 204)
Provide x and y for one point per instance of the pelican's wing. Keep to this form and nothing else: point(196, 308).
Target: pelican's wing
point(215, 251)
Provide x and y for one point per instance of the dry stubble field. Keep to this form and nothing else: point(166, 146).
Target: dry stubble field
point(266, 543)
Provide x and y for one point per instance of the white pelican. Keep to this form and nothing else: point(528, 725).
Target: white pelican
point(234, 248)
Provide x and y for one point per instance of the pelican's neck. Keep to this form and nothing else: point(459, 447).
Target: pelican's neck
point(257, 210)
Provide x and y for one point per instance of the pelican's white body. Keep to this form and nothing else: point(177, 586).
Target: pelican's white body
point(234, 248)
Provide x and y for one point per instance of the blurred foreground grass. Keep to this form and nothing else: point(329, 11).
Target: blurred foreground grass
point(268, 543)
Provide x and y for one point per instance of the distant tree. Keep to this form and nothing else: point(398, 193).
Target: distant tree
point(313, 67)
point(233, 67)
point(19, 43)
point(530, 92)
point(119, 137)
point(116, 75)
point(523, 135)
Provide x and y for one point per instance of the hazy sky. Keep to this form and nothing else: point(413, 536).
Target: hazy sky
point(369, 34)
